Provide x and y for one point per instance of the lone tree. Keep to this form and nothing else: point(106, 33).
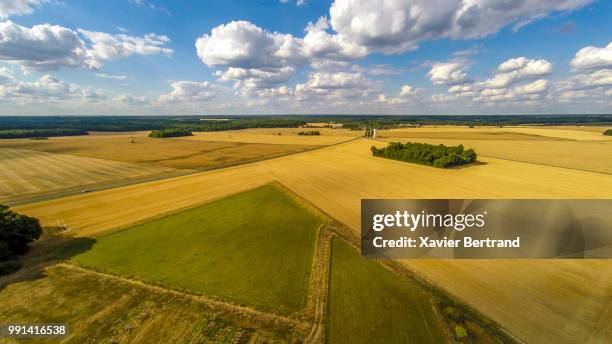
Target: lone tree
point(16, 232)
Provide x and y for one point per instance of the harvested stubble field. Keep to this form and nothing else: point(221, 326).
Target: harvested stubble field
point(27, 172)
point(497, 133)
point(173, 153)
point(575, 148)
point(254, 248)
point(101, 309)
point(288, 136)
point(529, 298)
point(367, 301)
point(594, 156)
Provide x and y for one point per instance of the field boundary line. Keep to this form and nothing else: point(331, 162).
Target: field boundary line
point(247, 314)
point(320, 287)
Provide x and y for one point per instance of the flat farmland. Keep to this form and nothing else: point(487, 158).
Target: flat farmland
point(335, 179)
point(581, 148)
point(496, 133)
point(115, 208)
point(295, 131)
point(26, 172)
point(102, 309)
point(593, 128)
point(254, 248)
point(594, 156)
point(288, 136)
point(138, 148)
point(368, 301)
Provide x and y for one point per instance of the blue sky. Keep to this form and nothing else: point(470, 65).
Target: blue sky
point(269, 56)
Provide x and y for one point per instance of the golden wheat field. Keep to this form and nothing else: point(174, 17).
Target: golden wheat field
point(504, 133)
point(137, 147)
point(286, 137)
point(294, 131)
point(582, 148)
point(26, 172)
point(528, 298)
point(594, 156)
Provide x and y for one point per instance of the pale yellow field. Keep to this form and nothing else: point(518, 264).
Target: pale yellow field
point(495, 133)
point(593, 128)
point(137, 147)
point(287, 137)
point(532, 299)
point(25, 172)
point(571, 134)
point(294, 131)
point(86, 215)
point(594, 156)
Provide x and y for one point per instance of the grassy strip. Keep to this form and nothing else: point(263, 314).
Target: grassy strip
point(367, 302)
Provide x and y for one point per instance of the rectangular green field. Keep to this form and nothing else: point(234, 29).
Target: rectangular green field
point(254, 249)
point(370, 303)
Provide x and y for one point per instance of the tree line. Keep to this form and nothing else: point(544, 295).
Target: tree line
point(39, 133)
point(427, 154)
point(171, 132)
point(78, 125)
point(16, 232)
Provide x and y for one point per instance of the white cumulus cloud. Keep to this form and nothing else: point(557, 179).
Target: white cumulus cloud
point(41, 47)
point(518, 69)
point(593, 57)
point(10, 8)
point(189, 91)
point(107, 47)
point(448, 73)
point(46, 88)
point(50, 47)
point(394, 26)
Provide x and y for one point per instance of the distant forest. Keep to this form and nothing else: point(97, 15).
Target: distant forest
point(426, 154)
point(39, 133)
point(46, 126)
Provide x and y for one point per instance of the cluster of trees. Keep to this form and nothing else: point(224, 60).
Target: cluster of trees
point(310, 133)
point(422, 153)
point(608, 132)
point(39, 133)
point(171, 132)
point(16, 232)
point(369, 132)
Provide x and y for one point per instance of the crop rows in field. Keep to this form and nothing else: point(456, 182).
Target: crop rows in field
point(25, 171)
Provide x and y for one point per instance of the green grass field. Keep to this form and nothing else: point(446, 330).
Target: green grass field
point(254, 248)
point(368, 303)
point(106, 310)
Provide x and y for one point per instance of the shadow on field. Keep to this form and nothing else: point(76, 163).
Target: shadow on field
point(460, 167)
point(50, 249)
